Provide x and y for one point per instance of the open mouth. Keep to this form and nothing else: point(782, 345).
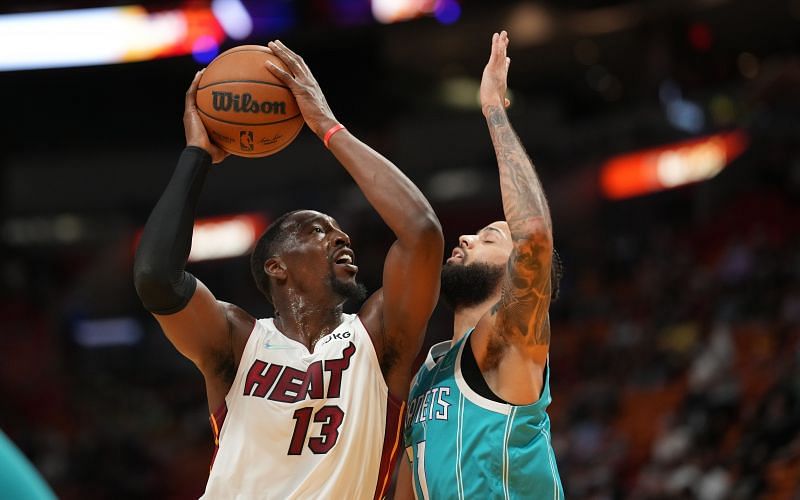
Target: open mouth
point(457, 256)
point(344, 258)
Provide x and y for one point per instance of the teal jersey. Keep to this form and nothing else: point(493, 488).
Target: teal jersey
point(464, 446)
point(18, 478)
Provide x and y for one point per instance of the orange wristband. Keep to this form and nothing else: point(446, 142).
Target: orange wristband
point(330, 133)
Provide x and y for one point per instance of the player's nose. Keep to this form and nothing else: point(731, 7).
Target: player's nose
point(341, 239)
point(466, 240)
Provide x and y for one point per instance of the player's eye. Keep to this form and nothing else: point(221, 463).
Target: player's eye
point(317, 229)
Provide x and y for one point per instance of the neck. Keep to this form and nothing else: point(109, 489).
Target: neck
point(305, 320)
point(468, 317)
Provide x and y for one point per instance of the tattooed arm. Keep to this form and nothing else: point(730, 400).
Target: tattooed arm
point(512, 340)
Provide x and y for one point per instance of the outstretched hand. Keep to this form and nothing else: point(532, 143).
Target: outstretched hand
point(196, 134)
point(304, 86)
point(495, 74)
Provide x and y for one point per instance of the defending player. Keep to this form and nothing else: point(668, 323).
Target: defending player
point(306, 404)
point(476, 424)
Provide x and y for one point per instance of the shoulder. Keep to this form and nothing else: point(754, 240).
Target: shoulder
point(239, 320)
point(241, 324)
point(371, 314)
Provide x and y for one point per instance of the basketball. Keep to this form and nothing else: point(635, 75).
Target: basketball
point(247, 111)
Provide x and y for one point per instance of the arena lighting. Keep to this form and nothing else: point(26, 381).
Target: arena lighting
point(223, 237)
point(62, 229)
point(666, 167)
point(109, 332)
point(86, 37)
point(233, 18)
point(393, 11)
point(604, 20)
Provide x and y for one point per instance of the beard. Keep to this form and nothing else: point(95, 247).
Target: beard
point(348, 290)
point(469, 285)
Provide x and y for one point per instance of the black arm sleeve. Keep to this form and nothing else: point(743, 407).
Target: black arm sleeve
point(163, 285)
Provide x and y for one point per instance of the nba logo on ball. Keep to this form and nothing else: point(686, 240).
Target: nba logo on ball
point(237, 95)
point(246, 140)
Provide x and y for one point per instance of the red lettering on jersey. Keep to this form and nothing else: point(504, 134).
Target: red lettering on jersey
point(336, 367)
point(331, 418)
point(313, 384)
point(287, 390)
point(295, 385)
point(260, 380)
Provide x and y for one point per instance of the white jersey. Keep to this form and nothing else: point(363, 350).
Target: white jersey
point(306, 425)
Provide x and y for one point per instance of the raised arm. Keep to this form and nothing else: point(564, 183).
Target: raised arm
point(518, 326)
point(200, 327)
point(396, 315)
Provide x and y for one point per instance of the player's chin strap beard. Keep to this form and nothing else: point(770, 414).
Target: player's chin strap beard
point(469, 285)
point(353, 291)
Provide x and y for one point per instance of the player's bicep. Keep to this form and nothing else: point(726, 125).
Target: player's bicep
point(200, 330)
point(521, 314)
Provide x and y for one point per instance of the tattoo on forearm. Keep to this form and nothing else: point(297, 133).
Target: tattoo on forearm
point(522, 310)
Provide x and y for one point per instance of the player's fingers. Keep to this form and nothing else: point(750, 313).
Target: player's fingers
point(191, 93)
point(287, 56)
point(280, 73)
point(288, 51)
point(498, 49)
point(503, 42)
point(280, 54)
point(300, 68)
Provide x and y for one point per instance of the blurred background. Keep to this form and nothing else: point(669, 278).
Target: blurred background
point(667, 135)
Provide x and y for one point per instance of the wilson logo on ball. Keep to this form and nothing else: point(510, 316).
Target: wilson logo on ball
point(244, 103)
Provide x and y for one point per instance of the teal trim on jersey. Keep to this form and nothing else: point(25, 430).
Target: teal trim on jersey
point(18, 478)
point(474, 447)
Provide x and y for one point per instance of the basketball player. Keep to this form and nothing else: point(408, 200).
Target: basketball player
point(476, 425)
point(306, 404)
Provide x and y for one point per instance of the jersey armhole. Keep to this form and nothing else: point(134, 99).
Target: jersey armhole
point(376, 360)
point(474, 377)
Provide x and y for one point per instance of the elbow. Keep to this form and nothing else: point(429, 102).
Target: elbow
point(149, 281)
point(535, 231)
point(161, 288)
point(427, 230)
point(161, 295)
point(158, 290)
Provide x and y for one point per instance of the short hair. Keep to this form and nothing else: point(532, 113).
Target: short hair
point(266, 246)
point(556, 273)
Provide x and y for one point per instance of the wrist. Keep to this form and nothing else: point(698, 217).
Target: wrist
point(200, 150)
point(323, 126)
point(326, 138)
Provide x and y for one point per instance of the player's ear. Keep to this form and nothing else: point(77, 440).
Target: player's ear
point(275, 268)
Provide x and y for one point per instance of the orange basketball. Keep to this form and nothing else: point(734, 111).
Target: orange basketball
point(246, 110)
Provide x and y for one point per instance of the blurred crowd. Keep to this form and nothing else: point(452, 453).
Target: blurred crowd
point(676, 360)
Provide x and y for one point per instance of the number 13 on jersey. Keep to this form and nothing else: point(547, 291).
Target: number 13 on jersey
point(331, 418)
